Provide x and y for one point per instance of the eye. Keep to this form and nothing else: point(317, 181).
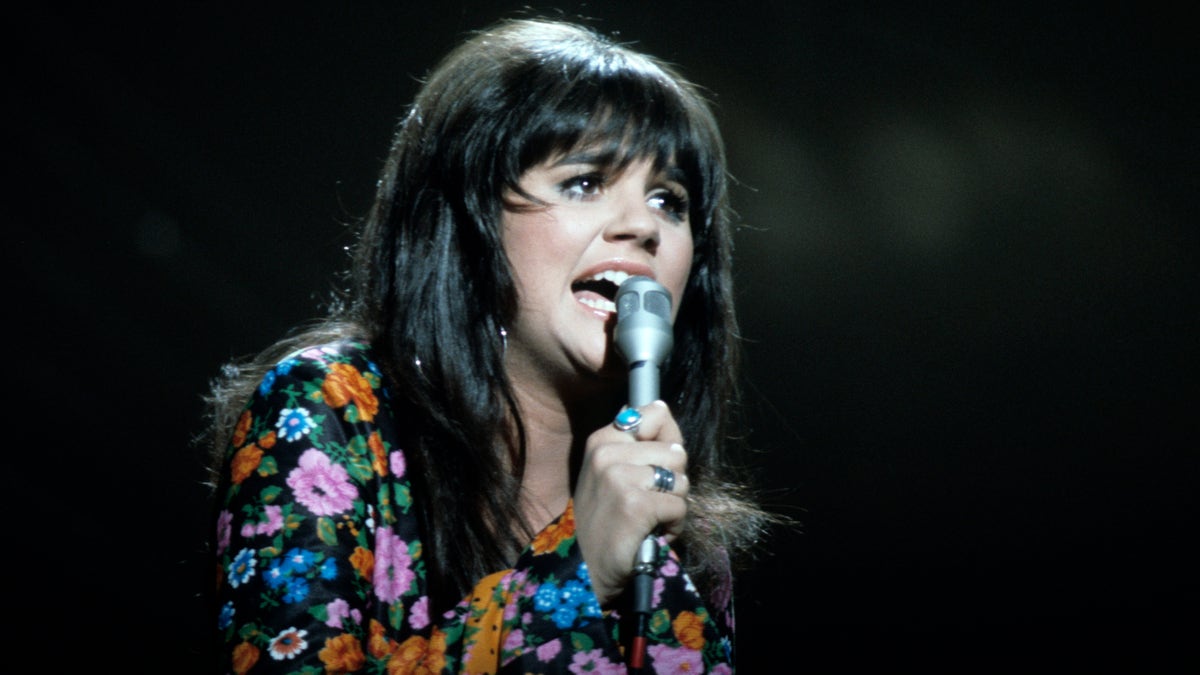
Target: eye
point(582, 186)
point(675, 205)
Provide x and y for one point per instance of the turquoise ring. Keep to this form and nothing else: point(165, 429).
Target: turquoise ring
point(628, 419)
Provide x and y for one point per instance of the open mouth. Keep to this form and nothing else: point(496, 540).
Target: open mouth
point(599, 290)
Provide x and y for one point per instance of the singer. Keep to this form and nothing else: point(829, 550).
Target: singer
point(446, 474)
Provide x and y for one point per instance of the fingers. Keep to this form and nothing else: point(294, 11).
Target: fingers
point(643, 437)
point(641, 463)
point(664, 479)
point(633, 482)
point(670, 512)
point(651, 422)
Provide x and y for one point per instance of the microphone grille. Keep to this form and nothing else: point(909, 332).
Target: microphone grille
point(657, 303)
point(627, 302)
point(643, 294)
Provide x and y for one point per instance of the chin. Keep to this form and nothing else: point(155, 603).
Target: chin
point(608, 368)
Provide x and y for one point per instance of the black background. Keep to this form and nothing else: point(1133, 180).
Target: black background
point(968, 291)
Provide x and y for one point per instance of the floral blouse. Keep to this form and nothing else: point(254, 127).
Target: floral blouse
point(320, 566)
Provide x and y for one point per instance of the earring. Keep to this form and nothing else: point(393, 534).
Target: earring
point(503, 339)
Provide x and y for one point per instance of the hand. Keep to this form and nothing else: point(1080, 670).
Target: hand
point(616, 504)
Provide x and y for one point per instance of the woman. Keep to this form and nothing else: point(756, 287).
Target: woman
point(431, 479)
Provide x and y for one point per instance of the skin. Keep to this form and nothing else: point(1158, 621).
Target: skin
point(565, 371)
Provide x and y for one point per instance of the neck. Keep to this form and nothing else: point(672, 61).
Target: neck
point(556, 429)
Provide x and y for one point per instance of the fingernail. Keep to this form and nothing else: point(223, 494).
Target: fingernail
point(677, 447)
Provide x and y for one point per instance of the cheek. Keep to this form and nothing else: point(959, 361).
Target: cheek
point(675, 268)
point(540, 251)
point(520, 237)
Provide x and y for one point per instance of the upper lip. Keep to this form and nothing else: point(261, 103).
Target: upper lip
point(609, 287)
point(617, 265)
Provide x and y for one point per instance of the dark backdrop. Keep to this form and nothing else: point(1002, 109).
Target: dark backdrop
point(968, 284)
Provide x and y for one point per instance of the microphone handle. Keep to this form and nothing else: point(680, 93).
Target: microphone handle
point(643, 384)
point(643, 389)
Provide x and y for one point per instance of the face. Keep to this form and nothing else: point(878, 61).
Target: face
point(592, 229)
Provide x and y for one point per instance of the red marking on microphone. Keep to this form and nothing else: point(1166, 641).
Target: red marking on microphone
point(639, 651)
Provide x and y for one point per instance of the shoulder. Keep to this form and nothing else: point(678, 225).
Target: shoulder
point(340, 378)
point(319, 362)
point(322, 405)
point(324, 356)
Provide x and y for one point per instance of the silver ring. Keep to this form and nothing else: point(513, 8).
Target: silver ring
point(629, 420)
point(664, 479)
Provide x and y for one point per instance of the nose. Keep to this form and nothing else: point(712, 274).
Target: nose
point(634, 221)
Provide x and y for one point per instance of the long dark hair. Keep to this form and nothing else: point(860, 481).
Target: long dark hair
point(430, 287)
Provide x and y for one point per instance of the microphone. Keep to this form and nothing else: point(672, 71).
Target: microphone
point(643, 335)
point(644, 338)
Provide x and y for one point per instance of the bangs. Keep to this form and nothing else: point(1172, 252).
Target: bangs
point(618, 109)
point(615, 126)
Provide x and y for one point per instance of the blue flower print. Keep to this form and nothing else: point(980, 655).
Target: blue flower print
point(268, 381)
point(241, 568)
point(294, 423)
point(275, 575)
point(296, 590)
point(329, 569)
point(225, 618)
point(566, 603)
point(297, 561)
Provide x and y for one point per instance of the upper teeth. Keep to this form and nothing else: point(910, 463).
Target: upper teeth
point(616, 276)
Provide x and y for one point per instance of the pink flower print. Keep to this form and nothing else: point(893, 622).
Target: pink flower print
point(672, 660)
point(595, 663)
point(393, 566)
point(396, 463)
point(224, 530)
point(548, 651)
point(669, 568)
point(270, 525)
point(418, 615)
point(514, 641)
point(340, 609)
point(320, 485)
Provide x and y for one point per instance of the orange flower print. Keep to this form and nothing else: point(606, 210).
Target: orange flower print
point(242, 429)
point(245, 656)
point(418, 656)
point(378, 643)
point(379, 460)
point(555, 533)
point(245, 462)
point(342, 654)
point(267, 440)
point(436, 660)
point(689, 628)
point(345, 385)
point(363, 561)
point(405, 659)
